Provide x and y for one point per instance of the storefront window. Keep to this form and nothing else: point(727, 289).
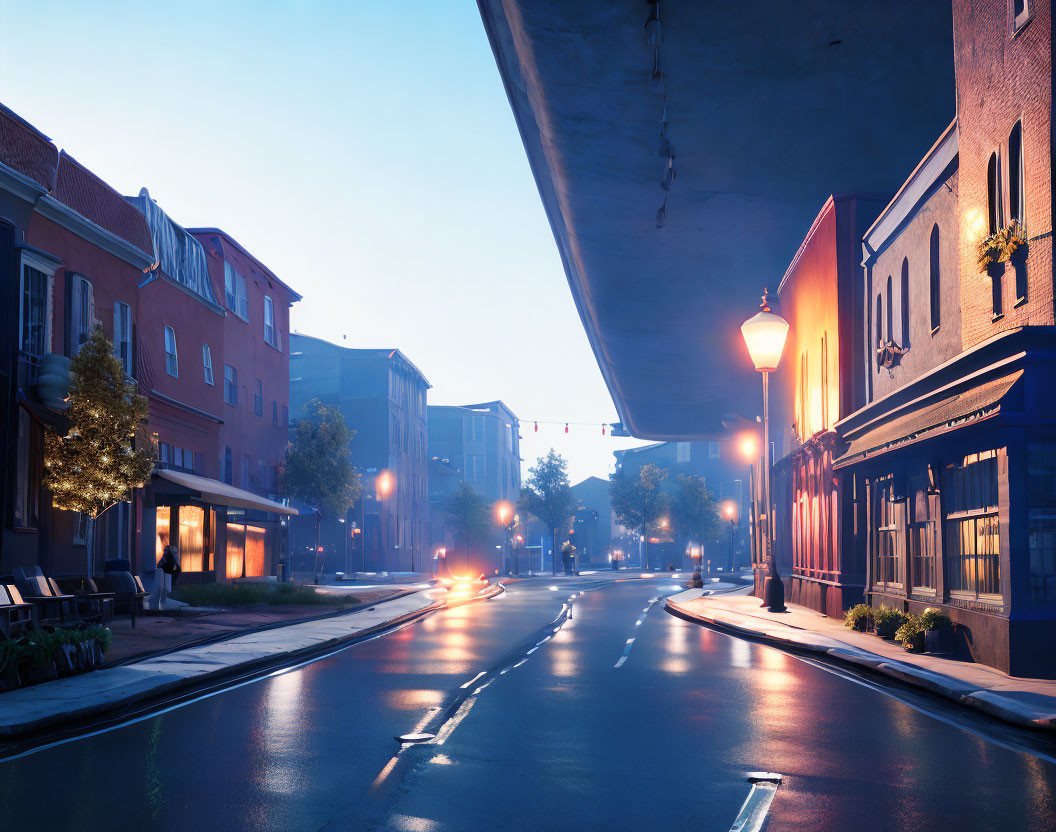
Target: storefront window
point(921, 537)
point(192, 538)
point(887, 565)
point(163, 515)
point(1041, 471)
point(973, 530)
point(245, 551)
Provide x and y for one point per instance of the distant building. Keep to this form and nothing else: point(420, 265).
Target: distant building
point(594, 526)
point(382, 396)
point(478, 444)
point(726, 476)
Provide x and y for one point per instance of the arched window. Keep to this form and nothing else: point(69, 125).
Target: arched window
point(993, 198)
point(879, 324)
point(904, 291)
point(889, 331)
point(936, 317)
point(1015, 173)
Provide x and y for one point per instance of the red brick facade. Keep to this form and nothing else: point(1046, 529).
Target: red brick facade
point(1004, 75)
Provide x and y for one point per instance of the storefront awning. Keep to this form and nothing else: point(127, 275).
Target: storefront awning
point(967, 407)
point(220, 493)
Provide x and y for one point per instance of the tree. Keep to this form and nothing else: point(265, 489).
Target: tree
point(470, 515)
point(547, 494)
point(693, 511)
point(319, 470)
point(639, 503)
point(96, 465)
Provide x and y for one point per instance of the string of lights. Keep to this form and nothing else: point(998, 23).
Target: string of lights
point(607, 428)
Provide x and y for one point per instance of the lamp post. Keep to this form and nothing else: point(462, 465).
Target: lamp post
point(507, 521)
point(383, 486)
point(764, 335)
point(729, 511)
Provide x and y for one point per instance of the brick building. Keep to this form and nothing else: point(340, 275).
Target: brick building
point(953, 457)
point(79, 254)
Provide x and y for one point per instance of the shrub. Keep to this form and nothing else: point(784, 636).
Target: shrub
point(857, 617)
point(909, 631)
point(240, 595)
point(887, 620)
point(933, 619)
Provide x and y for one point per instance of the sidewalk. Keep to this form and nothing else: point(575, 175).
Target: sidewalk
point(185, 627)
point(1030, 702)
point(39, 707)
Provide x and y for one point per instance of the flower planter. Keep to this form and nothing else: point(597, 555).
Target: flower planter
point(915, 644)
point(67, 661)
point(937, 641)
point(886, 629)
point(47, 673)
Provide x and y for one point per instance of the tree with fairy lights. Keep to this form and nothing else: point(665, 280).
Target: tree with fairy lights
point(97, 464)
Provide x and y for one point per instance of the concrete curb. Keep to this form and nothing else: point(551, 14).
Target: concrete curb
point(156, 686)
point(949, 687)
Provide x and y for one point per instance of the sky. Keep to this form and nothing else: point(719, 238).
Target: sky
point(364, 151)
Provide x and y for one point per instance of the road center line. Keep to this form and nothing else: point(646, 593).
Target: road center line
point(757, 805)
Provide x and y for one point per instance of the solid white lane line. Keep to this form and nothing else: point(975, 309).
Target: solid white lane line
point(755, 809)
point(471, 681)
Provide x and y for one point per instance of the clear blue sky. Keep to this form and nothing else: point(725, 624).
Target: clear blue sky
point(364, 150)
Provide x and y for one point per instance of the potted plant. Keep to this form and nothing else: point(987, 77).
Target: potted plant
point(11, 655)
point(41, 648)
point(858, 617)
point(887, 620)
point(1000, 246)
point(937, 628)
point(910, 634)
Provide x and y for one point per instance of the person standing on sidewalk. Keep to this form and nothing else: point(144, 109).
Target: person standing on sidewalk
point(165, 575)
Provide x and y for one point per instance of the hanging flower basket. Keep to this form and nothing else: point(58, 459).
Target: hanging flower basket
point(1001, 245)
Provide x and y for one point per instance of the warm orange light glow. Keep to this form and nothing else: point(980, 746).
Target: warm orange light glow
point(384, 484)
point(764, 335)
point(729, 510)
point(748, 445)
point(504, 511)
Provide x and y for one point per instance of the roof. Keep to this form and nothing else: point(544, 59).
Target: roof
point(220, 493)
point(365, 352)
point(25, 149)
point(498, 404)
point(929, 173)
point(202, 232)
point(954, 411)
point(90, 196)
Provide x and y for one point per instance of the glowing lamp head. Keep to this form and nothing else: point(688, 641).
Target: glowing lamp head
point(384, 483)
point(748, 445)
point(729, 510)
point(764, 335)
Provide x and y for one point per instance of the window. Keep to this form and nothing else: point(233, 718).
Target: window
point(997, 296)
point(681, 452)
point(173, 456)
point(235, 292)
point(476, 427)
point(879, 328)
point(972, 528)
point(230, 385)
point(904, 290)
point(123, 335)
point(258, 399)
point(922, 537)
point(33, 340)
point(27, 485)
point(285, 415)
point(271, 332)
point(228, 467)
point(993, 194)
point(1015, 173)
point(889, 332)
point(274, 412)
point(82, 312)
point(1020, 13)
point(713, 450)
point(936, 298)
point(1041, 478)
point(244, 479)
point(474, 467)
point(887, 565)
point(207, 364)
point(172, 366)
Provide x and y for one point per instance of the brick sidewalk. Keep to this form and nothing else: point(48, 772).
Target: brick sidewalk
point(1029, 702)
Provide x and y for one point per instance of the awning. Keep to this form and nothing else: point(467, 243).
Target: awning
point(967, 407)
point(220, 493)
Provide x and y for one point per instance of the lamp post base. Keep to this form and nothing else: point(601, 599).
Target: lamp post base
point(774, 592)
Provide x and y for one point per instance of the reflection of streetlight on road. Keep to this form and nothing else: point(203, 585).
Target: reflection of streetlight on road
point(764, 335)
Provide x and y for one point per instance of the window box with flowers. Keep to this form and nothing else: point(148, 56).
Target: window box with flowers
point(1001, 247)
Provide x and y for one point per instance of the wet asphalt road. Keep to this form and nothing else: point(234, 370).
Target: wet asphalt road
point(563, 739)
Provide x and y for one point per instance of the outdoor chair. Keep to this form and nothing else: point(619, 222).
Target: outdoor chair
point(44, 593)
point(126, 588)
point(16, 616)
point(91, 604)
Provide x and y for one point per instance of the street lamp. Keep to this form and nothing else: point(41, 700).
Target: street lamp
point(506, 519)
point(383, 487)
point(729, 511)
point(764, 335)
